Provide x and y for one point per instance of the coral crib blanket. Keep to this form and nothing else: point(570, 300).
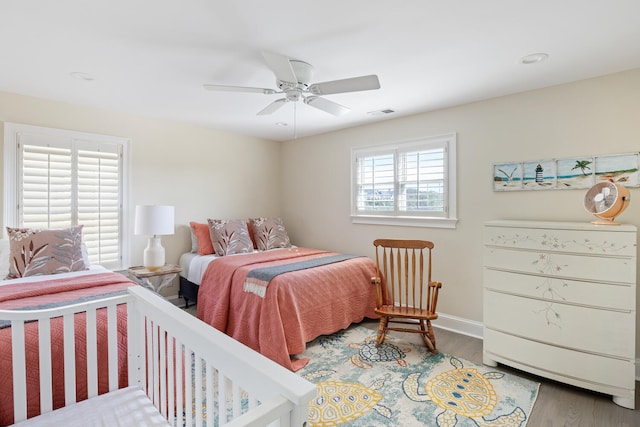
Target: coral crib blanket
point(51, 293)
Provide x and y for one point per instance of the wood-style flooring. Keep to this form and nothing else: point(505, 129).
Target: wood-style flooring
point(557, 404)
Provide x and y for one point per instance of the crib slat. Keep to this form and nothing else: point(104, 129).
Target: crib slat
point(112, 344)
point(163, 371)
point(69, 359)
point(188, 385)
point(44, 350)
point(237, 403)
point(92, 354)
point(222, 396)
point(170, 378)
point(209, 393)
point(19, 371)
point(198, 386)
point(180, 369)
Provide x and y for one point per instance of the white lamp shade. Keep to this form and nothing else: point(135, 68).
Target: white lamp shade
point(154, 220)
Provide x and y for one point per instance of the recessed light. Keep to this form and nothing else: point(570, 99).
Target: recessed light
point(281, 124)
point(82, 76)
point(534, 58)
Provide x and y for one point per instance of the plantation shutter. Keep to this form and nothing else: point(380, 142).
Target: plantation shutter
point(375, 183)
point(65, 181)
point(421, 181)
point(99, 201)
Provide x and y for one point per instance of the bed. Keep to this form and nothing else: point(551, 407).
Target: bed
point(284, 313)
point(51, 292)
point(180, 371)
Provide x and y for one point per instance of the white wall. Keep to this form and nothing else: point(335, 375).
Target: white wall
point(205, 173)
point(592, 117)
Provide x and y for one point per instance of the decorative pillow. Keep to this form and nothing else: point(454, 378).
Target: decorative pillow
point(35, 252)
point(230, 236)
point(270, 233)
point(203, 237)
point(251, 236)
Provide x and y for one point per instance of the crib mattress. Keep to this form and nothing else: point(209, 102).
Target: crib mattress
point(124, 407)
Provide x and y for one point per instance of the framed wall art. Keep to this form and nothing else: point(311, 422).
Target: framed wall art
point(568, 173)
point(507, 176)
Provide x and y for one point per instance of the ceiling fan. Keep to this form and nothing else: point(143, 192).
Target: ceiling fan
point(293, 79)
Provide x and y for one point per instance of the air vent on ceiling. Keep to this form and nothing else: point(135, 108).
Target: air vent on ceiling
point(381, 112)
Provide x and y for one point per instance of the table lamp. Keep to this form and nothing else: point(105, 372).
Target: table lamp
point(154, 221)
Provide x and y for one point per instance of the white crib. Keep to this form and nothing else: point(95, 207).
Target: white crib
point(236, 386)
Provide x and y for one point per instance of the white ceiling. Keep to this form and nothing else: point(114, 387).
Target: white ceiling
point(152, 57)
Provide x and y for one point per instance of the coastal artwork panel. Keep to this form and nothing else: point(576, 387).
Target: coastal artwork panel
point(575, 172)
point(539, 175)
point(621, 169)
point(570, 173)
point(507, 176)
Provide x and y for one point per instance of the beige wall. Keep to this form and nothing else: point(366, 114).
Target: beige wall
point(203, 172)
point(207, 173)
point(593, 117)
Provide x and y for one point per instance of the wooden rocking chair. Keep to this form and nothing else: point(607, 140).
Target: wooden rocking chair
point(405, 293)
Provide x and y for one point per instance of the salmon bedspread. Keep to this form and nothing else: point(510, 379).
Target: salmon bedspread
point(56, 292)
point(297, 306)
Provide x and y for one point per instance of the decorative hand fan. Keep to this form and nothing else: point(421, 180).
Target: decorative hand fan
point(606, 200)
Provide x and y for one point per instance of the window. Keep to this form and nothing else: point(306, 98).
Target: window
point(56, 178)
point(408, 183)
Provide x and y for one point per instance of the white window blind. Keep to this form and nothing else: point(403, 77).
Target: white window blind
point(408, 183)
point(65, 178)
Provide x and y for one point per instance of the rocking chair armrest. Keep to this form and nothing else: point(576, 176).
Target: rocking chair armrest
point(435, 285)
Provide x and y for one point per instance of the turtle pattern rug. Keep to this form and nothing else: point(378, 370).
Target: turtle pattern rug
point(401, 384)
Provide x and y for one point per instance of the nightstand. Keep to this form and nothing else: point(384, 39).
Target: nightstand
point(157, 279)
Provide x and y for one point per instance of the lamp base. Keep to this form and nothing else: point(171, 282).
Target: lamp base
point(153, 256)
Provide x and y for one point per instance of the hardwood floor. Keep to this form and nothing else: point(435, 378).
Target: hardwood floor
point(557, 404)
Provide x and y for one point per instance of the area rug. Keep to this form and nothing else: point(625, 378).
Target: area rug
point(401, 384)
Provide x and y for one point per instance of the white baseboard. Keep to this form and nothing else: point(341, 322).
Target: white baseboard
point(459, 325)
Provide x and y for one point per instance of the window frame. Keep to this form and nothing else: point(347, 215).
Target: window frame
point(12, 159)
point(448, 219)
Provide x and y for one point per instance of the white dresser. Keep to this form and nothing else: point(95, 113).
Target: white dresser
point(560, 302)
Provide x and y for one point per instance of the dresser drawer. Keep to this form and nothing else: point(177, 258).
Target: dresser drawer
point(580, 328)
point(589, 239)
point(582, 369)
point(580, 267)
point(595, 294)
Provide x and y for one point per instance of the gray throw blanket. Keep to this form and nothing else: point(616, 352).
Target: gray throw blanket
point(258, 279)
point(7, 323)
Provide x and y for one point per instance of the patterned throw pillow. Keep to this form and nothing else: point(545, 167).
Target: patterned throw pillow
point(35, 252)
point(270, 233)
point(229, 236)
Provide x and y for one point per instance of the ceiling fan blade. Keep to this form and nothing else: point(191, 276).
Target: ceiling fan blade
point(239, 89)
point(353, 84)
point(326, 105)
point(274, 106)
point(280, 66)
